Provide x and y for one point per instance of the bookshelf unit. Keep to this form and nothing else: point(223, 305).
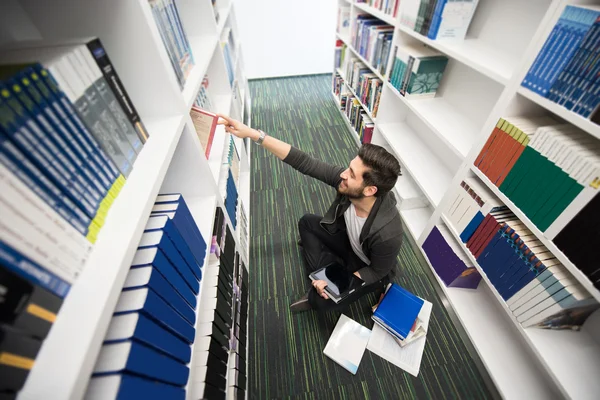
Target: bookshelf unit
point(171, 161)
point(437, 141)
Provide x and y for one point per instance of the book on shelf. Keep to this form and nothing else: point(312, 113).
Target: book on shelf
point(343, 20)
point(123, 385)
point(449, 261)
point(347, 343)
point(369, 35)
point(203, 99)
point(174, 38)
point(450, 20)
point(389, 7)
point(550, 172)
point(19, 352)
point(228, 46)
point(340, 54)
point(205, 124)
point(572, 318)
point(417, 70)
point(565, 69)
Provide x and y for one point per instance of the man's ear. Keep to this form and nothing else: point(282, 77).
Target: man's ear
point(370, 191)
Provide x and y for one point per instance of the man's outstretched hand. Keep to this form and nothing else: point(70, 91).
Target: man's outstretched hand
point(237, 128)
point(320, 287)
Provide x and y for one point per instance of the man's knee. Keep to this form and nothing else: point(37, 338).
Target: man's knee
point(306, 221)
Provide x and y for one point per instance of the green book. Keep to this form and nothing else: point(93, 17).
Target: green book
point(421, 15)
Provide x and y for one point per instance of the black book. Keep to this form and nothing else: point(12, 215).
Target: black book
point(18, 352)
point(26, 306)
point(212, 392)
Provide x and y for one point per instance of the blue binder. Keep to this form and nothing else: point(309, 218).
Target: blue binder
point(398, 310)
point(138, 327)
point(150, 304)
point(135, 358)
point(161, 240)
point(126, 387)
point(152, 278)
point(163, 223)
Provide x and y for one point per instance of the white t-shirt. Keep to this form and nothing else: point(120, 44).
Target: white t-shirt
point(354, 225)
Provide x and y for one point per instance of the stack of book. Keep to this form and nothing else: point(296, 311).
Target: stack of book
point(339, 85)
point(565, 70)
point(365, 84)
point(203, 99)
point(231, 199)
point(389, 7)
point(402, 314)
point(471, 204)
point(343, 20)
point(205, 124)
point(534, 284)
point(173, 37)
point(417, 70)
point(369, 35)
point(237, 374)
point(228, 45)
point(28, 312)
point(438, 19)
point(147, 345)
point(550, 172)
point(449, 260)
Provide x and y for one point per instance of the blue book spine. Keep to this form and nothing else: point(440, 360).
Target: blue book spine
point(157, 309)
point(85, 138)
point(485, 259)
point(576, 22)
point(511, 272)
point(591, 101)
point(541, 57)
point(134, 387)
point(71, 133)
point(147, 362)
point(151, 334)
point(164, 266)
point(535, 268)
point(181, 246)
point(471, 227)
point(159, 285)
point(31, 271)
point(436, 20)
point(40, 185)
point(61, 136)
point(47, 135)
point(17, 130)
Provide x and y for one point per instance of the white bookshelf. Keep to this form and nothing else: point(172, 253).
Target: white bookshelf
point(172, 160)
point(437, 140)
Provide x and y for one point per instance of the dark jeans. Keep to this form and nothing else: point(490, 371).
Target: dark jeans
point(321, 248)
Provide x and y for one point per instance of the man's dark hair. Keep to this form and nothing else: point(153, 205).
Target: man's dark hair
point(383, 168)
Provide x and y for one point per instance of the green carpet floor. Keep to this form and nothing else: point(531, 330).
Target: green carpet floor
point(286, 351)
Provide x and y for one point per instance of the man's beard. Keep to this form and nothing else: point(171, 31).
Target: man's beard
point(355, 194)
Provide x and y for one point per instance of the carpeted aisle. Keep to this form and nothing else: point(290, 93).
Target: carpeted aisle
point(286, 351)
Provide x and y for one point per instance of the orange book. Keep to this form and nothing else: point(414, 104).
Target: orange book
point(486, 147)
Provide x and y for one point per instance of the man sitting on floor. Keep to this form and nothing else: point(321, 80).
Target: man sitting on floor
point(362, 228)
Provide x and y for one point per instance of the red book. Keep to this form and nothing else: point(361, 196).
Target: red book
point(205, 124)
point(486, 147)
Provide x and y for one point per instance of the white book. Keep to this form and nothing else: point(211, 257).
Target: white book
point(576, 300)
point(542, 293)
point(408, 358)
point(552, 267)
point(456, 18)
point(565, 296)
point(409, 11)
point(347, 343)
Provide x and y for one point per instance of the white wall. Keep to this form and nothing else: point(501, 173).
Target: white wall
point(286, 37)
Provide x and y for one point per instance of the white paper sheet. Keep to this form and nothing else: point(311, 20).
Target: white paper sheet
point(407, 358)
point(347, 343)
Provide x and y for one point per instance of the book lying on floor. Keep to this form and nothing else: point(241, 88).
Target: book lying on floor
point(347, 343)
point(398, 311)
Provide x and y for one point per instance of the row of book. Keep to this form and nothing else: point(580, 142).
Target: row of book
point(229, 51)
point(340, 54)
point(532, 281)
point(372, 39)
point(167, 19)
point(221, 332)
point(438, 19)
point(449, 260)
point(389, 7)
point(365, 84)
point(417, 70)
point(68, 137)
point(550, 172)
point(566, 69)
point(362, 124)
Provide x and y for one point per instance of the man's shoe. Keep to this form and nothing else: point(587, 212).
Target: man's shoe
point(300, 305)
